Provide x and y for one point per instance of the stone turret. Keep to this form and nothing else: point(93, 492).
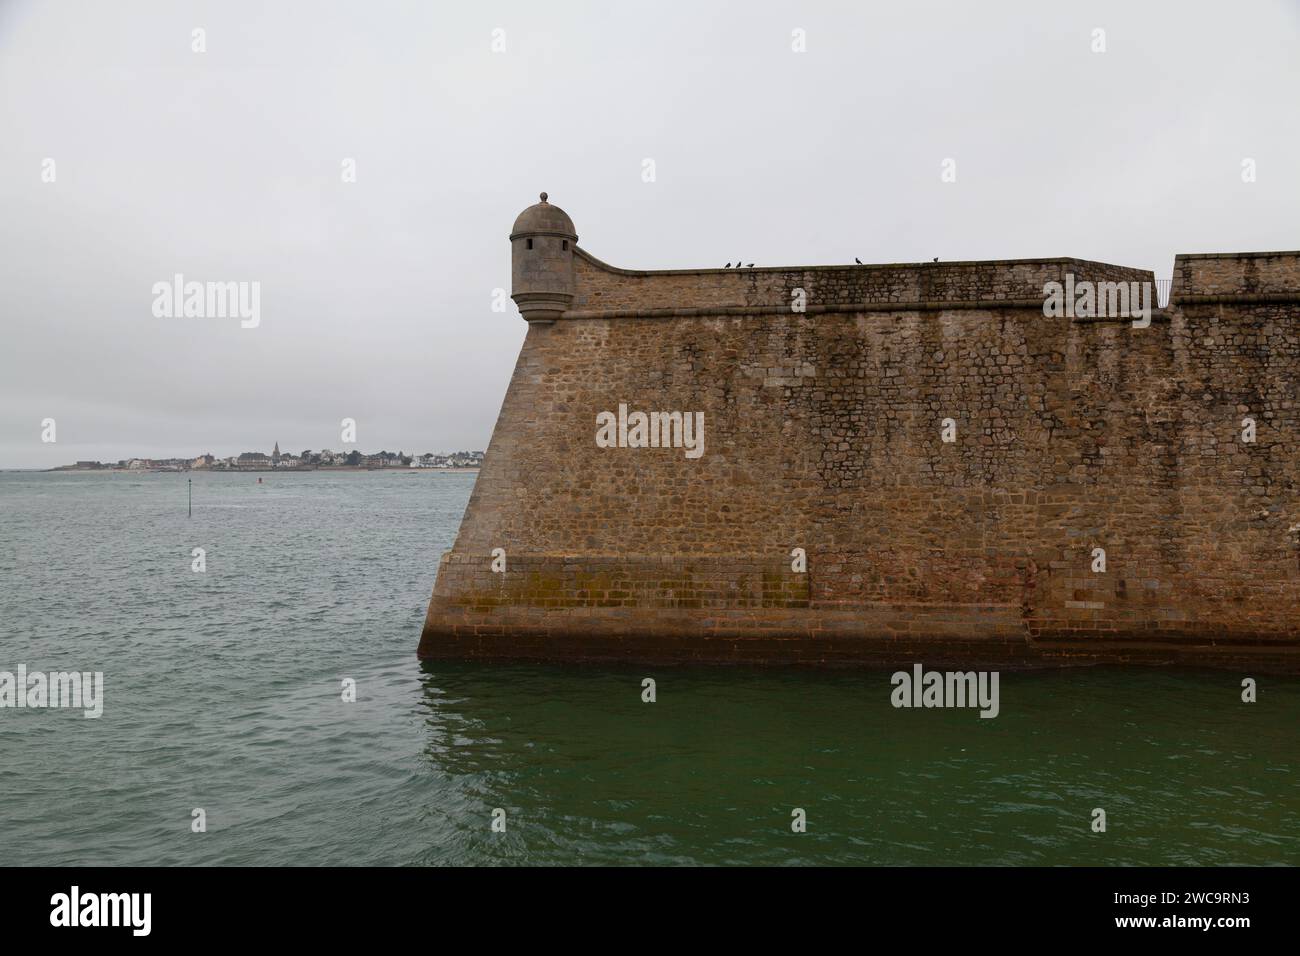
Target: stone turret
point(541, 262)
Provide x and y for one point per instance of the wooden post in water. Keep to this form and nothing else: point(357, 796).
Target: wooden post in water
point(190, 482)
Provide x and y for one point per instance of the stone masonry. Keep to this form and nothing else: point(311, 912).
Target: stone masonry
point(824, 432)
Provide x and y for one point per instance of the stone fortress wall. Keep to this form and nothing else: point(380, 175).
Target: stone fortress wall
point(824, 431)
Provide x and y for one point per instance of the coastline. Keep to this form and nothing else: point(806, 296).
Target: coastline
point(235, 471)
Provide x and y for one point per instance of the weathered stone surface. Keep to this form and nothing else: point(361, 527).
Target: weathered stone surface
point(823, 432)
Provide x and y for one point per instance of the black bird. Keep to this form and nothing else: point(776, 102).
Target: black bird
point(857, 260)
point(750, 266)
point(727, 266)
point(936, 258)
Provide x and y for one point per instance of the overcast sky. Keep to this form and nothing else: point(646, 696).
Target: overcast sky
point(376, 295)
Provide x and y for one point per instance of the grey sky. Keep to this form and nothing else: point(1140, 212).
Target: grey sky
point(376, 295)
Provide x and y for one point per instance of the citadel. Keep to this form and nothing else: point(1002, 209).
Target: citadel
point(1070, 434)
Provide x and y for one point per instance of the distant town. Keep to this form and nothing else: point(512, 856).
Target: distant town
point(287, 461)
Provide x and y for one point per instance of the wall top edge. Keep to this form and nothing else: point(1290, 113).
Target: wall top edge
point(584, 254)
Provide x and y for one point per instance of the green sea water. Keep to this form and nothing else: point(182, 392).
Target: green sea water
point(223, 692)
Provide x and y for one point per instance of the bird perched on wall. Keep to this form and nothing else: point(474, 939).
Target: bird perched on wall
point(936, 258)
point(857, 260)
point(727, 266)
point(750, 266)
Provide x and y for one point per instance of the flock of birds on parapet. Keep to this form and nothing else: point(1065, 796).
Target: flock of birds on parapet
point(750, 265)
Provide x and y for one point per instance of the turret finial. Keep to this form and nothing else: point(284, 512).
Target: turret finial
point(543, 197)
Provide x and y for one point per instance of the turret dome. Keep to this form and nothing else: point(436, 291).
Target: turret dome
point(543, 219)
